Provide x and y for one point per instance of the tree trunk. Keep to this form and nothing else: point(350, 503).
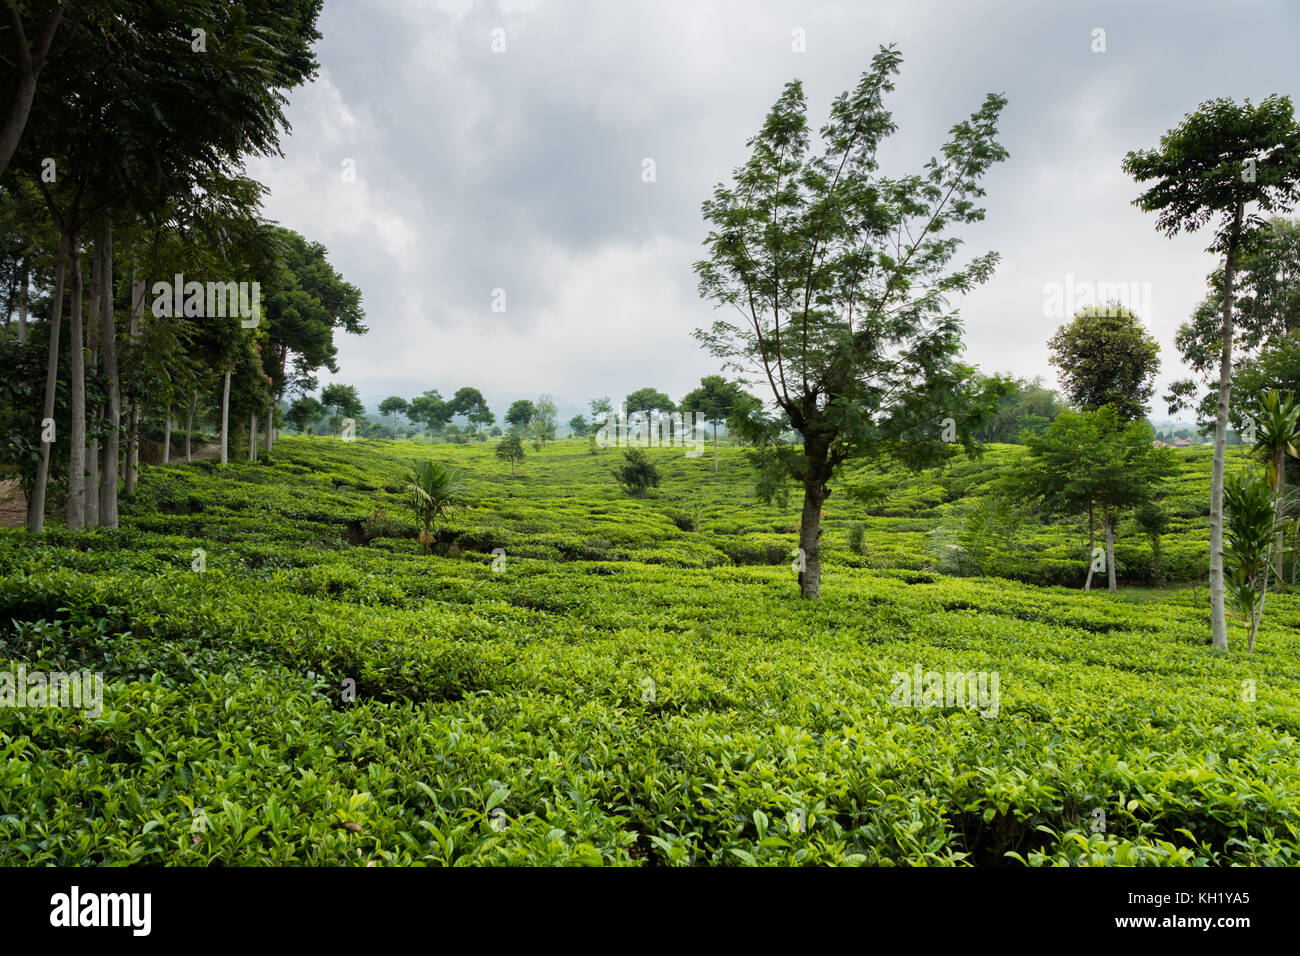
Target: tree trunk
point(36, 506)
point(225, 417)
point(1110, 553)
point(715, 447)
point(810, 535)
point(76, 506)
point(133, 419)
point(269, 438)
point(29, 64)
point(92, 353)
point(132, 448)
point(252, 436)
point(1092, 549)
point(1279, 538)
point(22, 304)
point(167, 436)
point(1218, 613)
point(189, 424)
point(113, 410)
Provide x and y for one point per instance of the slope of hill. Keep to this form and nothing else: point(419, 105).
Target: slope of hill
point(627, 681)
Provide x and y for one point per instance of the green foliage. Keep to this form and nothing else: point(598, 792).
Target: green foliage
point(343, 399)
point(708, 720)
point(511, 449)
point(647, 400)
point(1248, 539)
point(856, 533)
point(435, 490)
point(1106, 357)
point(638, 474)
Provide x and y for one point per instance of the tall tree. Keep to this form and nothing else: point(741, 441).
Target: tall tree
point(394, 405)
point(840, 276)
point(714, 401)
point(1089, 461)
point(519, 414)
point(648, 400)
point(1226, 163)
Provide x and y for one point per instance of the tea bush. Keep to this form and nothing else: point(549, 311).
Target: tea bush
point(614, 689)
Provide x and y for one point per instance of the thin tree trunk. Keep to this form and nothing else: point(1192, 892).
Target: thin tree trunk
point(132, 448)
point(1278, 503)
point(76, 506)
point(113, 410)
point(1110, 552)
point(1092, 549)
point(252, 436)
point(189, 424)
point(36, 506)
point(133, 418)
point(22, 304)
point(715, 446)
point(97, 415)
point(167, 436)
point(225, 417)
point(1218, 613)
point(269, 439)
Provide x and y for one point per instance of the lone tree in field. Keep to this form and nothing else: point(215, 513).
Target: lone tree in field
point(1228, 163)
point(511, 449)
point(841, 278)
point(714, 401)
point(394, 405)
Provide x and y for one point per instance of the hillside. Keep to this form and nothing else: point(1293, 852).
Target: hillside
point(637, 683)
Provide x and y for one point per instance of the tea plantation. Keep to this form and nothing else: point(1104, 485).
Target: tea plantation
point(292, 679)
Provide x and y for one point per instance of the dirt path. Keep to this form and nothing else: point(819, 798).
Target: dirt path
point(13, 504)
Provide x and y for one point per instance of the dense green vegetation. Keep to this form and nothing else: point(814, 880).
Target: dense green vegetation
point(637, 684)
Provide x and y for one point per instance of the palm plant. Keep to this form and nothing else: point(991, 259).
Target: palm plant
point(435, 491)
point(1248, 499)
point(1277, 436)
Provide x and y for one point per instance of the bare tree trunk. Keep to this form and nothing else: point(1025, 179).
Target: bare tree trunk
point(76, 513)
point(1218, 613)
point(189, 424)
point(225, 417)
point(269, 440)
point(252, 436)
point(1279, 538)
point(113, 411)
point(1110, 552)
point(810, 535)
point(97, 414)
point(22, 304)
point(715, 446)
point(1092, 549)
point(133, 417)
point(36, 505)
point(167, 436)
point(132, 448)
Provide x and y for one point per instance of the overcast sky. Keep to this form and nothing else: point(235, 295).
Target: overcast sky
point(521, 170)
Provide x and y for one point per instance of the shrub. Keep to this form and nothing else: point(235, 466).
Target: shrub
point(638, 474)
